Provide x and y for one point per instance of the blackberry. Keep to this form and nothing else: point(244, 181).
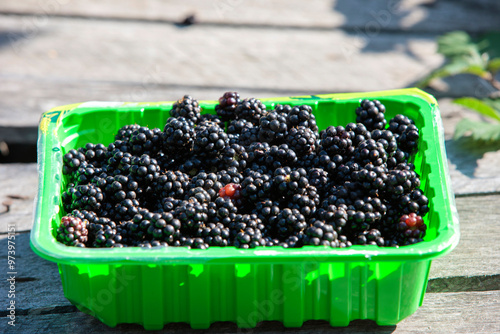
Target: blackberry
point(125, 132)
point(191, 214)
point(320, 233)
point(371, 178)
point(103, 232)
point(82, 197)
point(370, 152)
point(318, 178)
point(146, 141)
point(301, 116)
point(72, 231)
point(283, 109)
point(230, 175)
point(414, 202)
point(210, 141)
point(256, 187)
point(144, 168)
point(289, 222)
point(199, 194)
point(257, 153)
point(71, 161)
point(236, 126)
point(164, 227)
point(371, 237)
point(173, 184)
point(406, 133)
point(214, 234)
point(273, 128)
point(248, 136)
point(186, 107)
point(295, 241)
point(94, 154)
point(249, 238)
point(125, 210)
point(208, 182)
point(267, 210)
point(387, 139)
point(179, 136)
point(302, 140)
point(231, 191)
point(336, 140)
point(120, 187)
point(305, 203)
point(206, 118)
point(399, 182)
point(223, 209)
point(288, 182)
point(234, 155)
point(227, 106)
point(358, 133)
point(280, 156)
point(332, 215)
point(371, 115)
point(251, 110)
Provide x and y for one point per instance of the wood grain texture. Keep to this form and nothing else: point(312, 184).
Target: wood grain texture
point(466, 312)
point(139, 56)
point(19, 184)
point(362, 17)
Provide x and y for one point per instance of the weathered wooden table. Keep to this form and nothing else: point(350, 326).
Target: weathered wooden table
point(60, 52)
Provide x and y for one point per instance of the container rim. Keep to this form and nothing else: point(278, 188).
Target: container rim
point(48, 248)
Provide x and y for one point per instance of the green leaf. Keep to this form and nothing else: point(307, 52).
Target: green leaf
point(494, 65)
point(486, 107)
point(454, 67)
point(482, 133)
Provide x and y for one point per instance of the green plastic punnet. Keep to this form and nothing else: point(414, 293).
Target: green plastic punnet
point(153, 287)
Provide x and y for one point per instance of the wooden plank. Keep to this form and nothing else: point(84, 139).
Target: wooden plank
point(466, 312)
point(206, 56)
point(17, 194)
point(474, 255)
point(363, 17)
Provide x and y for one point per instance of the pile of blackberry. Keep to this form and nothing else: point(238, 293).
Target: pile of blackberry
point(247, 176)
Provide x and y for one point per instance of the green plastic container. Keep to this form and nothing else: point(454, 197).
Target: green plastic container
point(153, 287)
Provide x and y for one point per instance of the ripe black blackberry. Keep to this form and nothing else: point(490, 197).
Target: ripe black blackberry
point(125, 210)
point(273, 128)
point(72, 231)
point(210, 141)
point(302, 140)
point(358, 133)
point(267, 210)
point(103, 232)
point(173, 184)
point(249, 238)
point(289, 222)
point(283, 109)
point(227, 106)
point(71, 161)
point(320, 233)
point(370, 152)
point(399, 182)
point(256, 187)
point(414, 202)
point(251, 110)
point(205, 118)
point(257, 153)
point(144, 169)
point(302, 116)
point(397, 157)
point(192, 215)
point(280, 156)
point(179, 136)
point(233, 155)
point(186, 107)
point(164, 227)
point(371, 114)
point(208, 182)
point(288, 182)
point(94, 154)
point(125, 132)
point(236, 126)
point(318, 178)
point(332, 215)
point(371, 178)
point(406, 133)
point(305, 203)
point(214, 234)
point(230, 175)
point(371, 237)
point(336, 140)
point(248, 136)
point(387, 139)
point(146, 141)
point(82, 197)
